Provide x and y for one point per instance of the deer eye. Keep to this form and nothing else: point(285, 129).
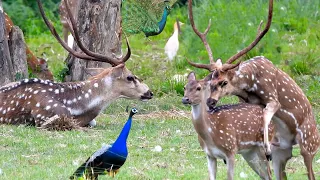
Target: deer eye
point(223, 83)
point(130, 78)
point(198, 88)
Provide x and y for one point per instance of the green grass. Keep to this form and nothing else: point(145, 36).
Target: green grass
point(292, 44)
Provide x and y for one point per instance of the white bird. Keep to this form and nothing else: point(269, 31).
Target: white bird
point(172, 45)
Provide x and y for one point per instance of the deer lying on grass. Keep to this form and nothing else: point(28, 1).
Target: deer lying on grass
point(34, 101)
point(227, 130)
point(258, 81)
point(38, 66)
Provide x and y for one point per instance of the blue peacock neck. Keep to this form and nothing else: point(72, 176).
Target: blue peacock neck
point(122, 138)
point(162, 22)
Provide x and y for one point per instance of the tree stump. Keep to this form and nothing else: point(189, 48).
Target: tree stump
point(6, 67)
point(99, 26)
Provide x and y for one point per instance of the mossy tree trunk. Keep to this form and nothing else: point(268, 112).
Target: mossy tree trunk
point(6, 67)
point(99, 26)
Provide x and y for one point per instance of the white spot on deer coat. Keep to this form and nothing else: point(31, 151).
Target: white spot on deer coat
point(95, 85)
point(38, 105)
point(107, 81)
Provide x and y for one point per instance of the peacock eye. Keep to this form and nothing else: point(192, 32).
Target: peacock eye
point(130, 78)
point(198, 88)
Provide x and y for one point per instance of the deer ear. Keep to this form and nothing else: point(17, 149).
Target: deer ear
point(117, 71)
point(208, 77)
point(191, 76)
point(219, 63)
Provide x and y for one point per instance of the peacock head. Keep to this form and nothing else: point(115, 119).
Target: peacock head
point(133, 112)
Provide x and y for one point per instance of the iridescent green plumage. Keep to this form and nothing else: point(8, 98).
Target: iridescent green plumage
point(147, 16)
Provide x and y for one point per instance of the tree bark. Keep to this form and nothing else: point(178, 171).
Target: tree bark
point(99, 26)
point(6, 68)
point(17, 48)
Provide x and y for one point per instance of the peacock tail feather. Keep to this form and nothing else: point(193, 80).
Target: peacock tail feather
point(143, 15)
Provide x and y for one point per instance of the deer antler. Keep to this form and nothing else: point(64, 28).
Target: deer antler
point(202, 36)
point(258, 37)
point(89, 55)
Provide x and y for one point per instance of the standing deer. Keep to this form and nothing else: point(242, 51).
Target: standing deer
point(34, 101)
point(258, 81)
point(38, 66)
point(227, 130)
point(73, 4)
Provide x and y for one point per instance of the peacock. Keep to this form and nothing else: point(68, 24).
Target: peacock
point(109, 158)
point(144, 15)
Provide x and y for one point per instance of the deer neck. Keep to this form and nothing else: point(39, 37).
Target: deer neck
point(94, 94)
point(200, 117)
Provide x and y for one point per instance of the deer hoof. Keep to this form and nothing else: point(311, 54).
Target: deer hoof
point(92, 123)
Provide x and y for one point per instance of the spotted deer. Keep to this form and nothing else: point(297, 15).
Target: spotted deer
point(258, 81)
point(73, 4)
point(38, 66)
point(227, 130)
point(33, 101)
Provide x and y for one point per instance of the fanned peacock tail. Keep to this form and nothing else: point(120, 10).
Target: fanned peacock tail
point(144, 15)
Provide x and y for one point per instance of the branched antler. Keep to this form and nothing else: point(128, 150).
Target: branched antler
point(258, 37)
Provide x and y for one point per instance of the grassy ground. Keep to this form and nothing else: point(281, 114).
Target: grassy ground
point(292, 44)
point(30, 153)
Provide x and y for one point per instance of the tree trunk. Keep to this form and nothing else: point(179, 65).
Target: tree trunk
point(17, 48)
point(6, 68)
point(99, 26)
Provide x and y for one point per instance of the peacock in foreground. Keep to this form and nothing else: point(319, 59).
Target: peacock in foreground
point(109, 158)
point(147, 16)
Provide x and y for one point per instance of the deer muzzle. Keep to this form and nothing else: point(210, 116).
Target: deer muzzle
point(211, 103)
point(185, 100)
point(147, 95)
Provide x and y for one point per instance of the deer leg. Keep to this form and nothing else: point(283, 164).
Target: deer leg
point(230, 166)
point(308, 163)
point(279, 161)
point(258, 162)
point(308, 145)
point(268, 112)
point(212, 167)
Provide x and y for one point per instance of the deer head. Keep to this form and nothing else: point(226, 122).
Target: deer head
point(37, 65)
point(224, 73)
point(196, 90)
